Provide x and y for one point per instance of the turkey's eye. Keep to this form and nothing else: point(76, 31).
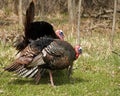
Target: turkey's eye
point(61, 33)
point(80, 50)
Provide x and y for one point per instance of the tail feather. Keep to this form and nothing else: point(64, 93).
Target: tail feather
point(33, 74)
point(13, 67)
point(24, 71)
point(38, 75)
point(30, 72)
point(22, 41)
point(21, 71)
point(30, 13)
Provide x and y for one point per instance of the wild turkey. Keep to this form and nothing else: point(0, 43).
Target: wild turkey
point(34, 30)
point(45, 53)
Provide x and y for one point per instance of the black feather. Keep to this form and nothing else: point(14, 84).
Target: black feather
point(34, 30)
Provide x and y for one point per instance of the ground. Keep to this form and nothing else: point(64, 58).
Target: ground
point(95, 73)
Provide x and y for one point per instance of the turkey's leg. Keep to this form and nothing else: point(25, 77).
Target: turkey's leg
point(70, 70)
point(51, 77)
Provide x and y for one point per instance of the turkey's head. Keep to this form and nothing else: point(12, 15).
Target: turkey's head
point(60, 34)
point(78, 50)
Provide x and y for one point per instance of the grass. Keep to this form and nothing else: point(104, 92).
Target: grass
point(95, 73)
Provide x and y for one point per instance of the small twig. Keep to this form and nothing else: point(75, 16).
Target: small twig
point(116, 53)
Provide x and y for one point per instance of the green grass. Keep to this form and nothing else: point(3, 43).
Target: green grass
point(95, 73)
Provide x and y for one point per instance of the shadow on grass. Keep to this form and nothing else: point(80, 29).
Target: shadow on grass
point(59, 77)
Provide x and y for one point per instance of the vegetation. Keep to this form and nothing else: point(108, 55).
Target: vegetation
point(95, 73)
